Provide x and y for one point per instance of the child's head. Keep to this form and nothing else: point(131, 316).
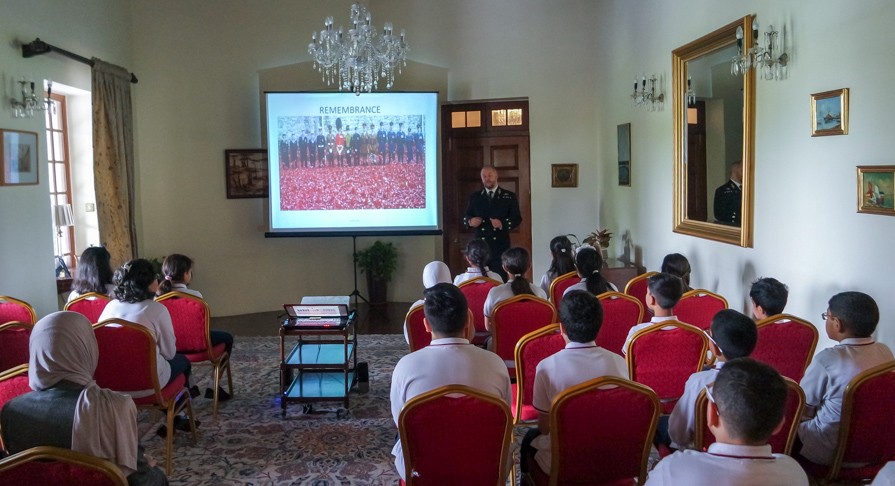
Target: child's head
point(435, 273)
point(588, 261)
point(851, 314)
point(677, 265)
point(750, 398)
point(734, 334)
point(667, 289)
point(478, 254)
point(176, 268)
point(94, 271)
point(135, 281)
point(561, 253)
point(445, 308)
point(768, 297)
point(515, 261)
point(581, 315)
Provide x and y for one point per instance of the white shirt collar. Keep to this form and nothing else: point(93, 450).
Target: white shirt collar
point(741, 451)
point(857, 341)
point(574, 345)
point(447, 341)
point(663, 319)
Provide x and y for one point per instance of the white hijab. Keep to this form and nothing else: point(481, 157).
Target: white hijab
point(63, 347)
point(435, 273)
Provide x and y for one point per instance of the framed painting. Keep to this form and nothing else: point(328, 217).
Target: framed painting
point(564, 175)
point(829, 113)
point(876, 189)
point(246, 171)
point(18, 165)
point(624, 154)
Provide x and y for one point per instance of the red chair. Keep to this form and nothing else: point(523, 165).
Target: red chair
point(191, 318)
point(13, 382)
point(621, 312)
point(601, 432)
point(514, 318)
point(866, 430)
point(663, 359)
point(532, 348)
point(12, 309)
point(455, 435)
point(781, 442)
point(90, 305)
point(476, 292)
point(14, 338)
point(559, 285)
point(697, 307)
point(787, 343)
point(419, 337)
point(636, 287)
point(51, 465)
point(127, 363)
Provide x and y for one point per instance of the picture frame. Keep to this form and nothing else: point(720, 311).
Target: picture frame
point(876, 189)
point(564, 175)
point(18, 158)
point(829, 113)
point(246, 173)
point(624, 154)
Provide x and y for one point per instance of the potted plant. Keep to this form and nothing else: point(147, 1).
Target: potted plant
point(378, 262)
point(600, 239)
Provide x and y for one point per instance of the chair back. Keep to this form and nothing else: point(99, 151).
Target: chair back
point(636, 287)
point(13, 382)
point(417, 334)
point(52, 465)
point(559, 285)
point(14, 338)
point(621, 312)
point(127, 357)
point(787, 343)
point(623, 414)
point(663, 359)
point(697, 307)
point(12, 309)
point(516, 317)
point(90, 305)
point(191, 319)
point(455, 435)
point(532, 348)
point(476, 292)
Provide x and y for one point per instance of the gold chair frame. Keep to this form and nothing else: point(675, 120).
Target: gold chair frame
point(109, 469)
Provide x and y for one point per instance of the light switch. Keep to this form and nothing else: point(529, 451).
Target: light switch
point(91, 207)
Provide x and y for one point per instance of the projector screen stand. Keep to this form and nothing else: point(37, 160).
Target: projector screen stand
point(356, 293)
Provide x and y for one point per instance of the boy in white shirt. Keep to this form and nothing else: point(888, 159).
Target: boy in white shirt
point(662, 293)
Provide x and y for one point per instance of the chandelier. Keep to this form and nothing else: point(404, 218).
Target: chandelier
point(769, 59)
point(358, 59)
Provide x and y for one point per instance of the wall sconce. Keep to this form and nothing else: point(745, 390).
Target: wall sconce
point(764, 58)
point(646, 95)
point(30, 103)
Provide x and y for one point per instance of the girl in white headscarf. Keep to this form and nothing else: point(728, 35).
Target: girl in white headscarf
point(433, 273)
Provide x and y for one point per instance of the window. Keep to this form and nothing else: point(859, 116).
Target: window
point(466, 119)
point(503, 118)
point(59, 178)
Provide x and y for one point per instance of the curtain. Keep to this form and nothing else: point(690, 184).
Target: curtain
point(113, 160)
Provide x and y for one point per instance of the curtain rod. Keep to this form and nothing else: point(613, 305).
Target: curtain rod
point(38, 47)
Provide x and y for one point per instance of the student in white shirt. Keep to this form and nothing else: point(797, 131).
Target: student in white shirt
point(768, 296)
point(662, 293)
point(516, 261)
point(589, 261)
point(477, 256)
point(93, 274)
point(562, 261)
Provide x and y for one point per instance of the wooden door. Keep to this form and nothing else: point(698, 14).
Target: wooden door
point(477, 134)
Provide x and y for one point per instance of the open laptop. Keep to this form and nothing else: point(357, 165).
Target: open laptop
point(316, 316)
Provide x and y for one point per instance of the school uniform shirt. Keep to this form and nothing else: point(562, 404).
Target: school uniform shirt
point(582, 285)
point(446, 361)
point(645, 325)
point(885, 476)
point(730, 465)
point(503, 292)
point(181, 287)
point(573, 365)
point(824, 385)
point(473, 272)
point(682, 421)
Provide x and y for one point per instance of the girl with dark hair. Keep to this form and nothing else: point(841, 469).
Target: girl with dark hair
point(562, 263)
point(516, 261)
point(589, 262)
point(477, 256)
point(678, 265)
point(94, 273)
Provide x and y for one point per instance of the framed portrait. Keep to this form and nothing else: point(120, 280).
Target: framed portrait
point(246, 171)
point(829, 113)
point(624, 154)
point(564, 175)
point(18, 166)
point(876, 189)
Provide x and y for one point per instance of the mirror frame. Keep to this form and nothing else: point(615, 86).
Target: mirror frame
point(720, 38)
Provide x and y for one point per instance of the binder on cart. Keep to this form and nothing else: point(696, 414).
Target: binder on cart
point(317, 316)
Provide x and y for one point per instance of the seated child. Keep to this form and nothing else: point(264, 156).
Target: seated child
point(768, 297)
point(581, 316)
point(677, 265)
point(94, 273)
point(851, 318)
point(733, 335)
point(662, 293)
point(516, 262)
point(477, 255)
point(561, 263)
point(745, 409)
point(589, 261)
point(433, 273)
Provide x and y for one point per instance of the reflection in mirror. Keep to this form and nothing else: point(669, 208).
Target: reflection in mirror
point(713, 121)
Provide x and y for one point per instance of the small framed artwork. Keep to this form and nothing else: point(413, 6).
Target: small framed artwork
point(246, 173)
point(876, 189)
point(18, 166)
point(564, 175)
point(829, 113)
point(624, 154)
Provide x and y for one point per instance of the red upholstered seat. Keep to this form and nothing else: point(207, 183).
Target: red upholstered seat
point(13, 382)
point(697, 307)
point(663, 359)
point(514, 318)
point(601, 432)
point(455, 435)
point(417, 334)
point(12, 309)
point(476, 292)
point(787, 343)
point(51, 465)
point(90, 305)
point(636, 287)
point(559, 285)
point(14, 344)
point(532, 348)
point(867, 428)
point(621, 312)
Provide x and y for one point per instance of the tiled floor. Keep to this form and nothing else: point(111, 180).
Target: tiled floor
point(378, 319)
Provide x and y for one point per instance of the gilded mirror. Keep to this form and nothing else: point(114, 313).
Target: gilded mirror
point(714, 126)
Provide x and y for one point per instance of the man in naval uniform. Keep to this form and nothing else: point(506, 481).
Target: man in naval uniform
point(729, 197)
point(493, 212)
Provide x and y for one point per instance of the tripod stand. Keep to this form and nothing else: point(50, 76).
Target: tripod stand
point(355, 293)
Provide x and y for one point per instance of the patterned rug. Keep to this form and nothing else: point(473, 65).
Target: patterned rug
point(251, 443)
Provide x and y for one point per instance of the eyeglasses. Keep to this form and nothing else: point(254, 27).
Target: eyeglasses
point(708, 392)
point(713, 341)
point(826, 315)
